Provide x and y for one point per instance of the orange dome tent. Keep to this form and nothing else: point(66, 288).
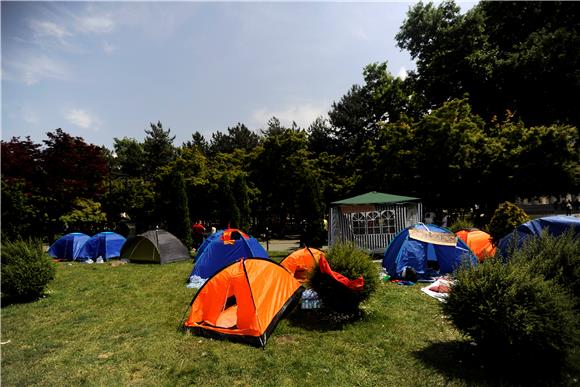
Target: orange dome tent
point(244, 301)
point(301, 262)
point(479, 242)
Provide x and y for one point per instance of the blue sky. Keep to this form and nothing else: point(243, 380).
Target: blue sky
point(105, 70)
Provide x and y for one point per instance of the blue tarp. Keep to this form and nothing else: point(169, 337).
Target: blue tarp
point(68, 246)
point(216, 253)
point(105, 244)
point(404, 252)
point(555, 225)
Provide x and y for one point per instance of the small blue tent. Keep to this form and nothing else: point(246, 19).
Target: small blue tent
point(223, 248)
point(68, 246)
point(418, 244)
point(105, 244)
point(555, 225)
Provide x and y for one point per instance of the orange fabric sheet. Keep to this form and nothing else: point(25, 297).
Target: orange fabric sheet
point(355, 284)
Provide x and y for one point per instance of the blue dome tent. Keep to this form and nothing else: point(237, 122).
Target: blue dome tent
point(68, 246)
point(417, 245)
point(555, 225)
point(223, 248)
point(105, 244)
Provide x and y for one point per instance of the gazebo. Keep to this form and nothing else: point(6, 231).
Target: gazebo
point(372, 219)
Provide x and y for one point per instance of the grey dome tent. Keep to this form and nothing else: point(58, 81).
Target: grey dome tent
point(155, 246)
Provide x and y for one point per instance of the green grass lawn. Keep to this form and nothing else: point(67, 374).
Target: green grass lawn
point(106, 325)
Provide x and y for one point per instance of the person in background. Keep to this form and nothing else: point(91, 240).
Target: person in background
point(198, 231)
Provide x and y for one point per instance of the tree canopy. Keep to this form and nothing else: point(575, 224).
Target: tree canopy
point(490, 114)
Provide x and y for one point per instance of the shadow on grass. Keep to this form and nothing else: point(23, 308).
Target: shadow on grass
point(7, 300)
point(462, 360)
point(323, 319)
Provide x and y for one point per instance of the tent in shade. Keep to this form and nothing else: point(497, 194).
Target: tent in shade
point(554, 225)
point(155, 246)
point(302, 262)
point(424, 245)
point(479, 242)
point(106, 244)
point(244, 301)
point(223, 248)
point(68, 246)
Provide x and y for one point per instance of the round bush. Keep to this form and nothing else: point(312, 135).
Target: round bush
point(505, 219)
point(462, 223)
point(557, 258)
point(352, 262)
point(26, 269)
point(513, 314)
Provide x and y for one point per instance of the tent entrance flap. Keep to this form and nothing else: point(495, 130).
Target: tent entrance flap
point(243, 301)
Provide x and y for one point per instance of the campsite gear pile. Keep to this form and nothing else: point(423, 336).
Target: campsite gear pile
point(310, 300)
point(439, 289)
point(80, 247)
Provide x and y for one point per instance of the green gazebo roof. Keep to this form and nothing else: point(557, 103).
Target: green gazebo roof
point(375, 198)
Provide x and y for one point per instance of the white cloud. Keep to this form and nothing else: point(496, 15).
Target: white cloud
point(100, 24)
point(33, 69)
point(303, 115)
point(402, 73)
point(81, 118)
point(43, 28)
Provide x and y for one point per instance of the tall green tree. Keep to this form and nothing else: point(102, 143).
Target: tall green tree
point(520, 56)
point(383, 97)
point(129, 156)
point(241, 194)
point(158, 148)
point(321, 137)
point(85, 216)
point(19, 213)
point(174, 206)
point(237, 137)
point(198, 141)
point(279, 171)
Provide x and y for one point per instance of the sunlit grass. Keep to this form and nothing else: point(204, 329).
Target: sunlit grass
point(105, 325)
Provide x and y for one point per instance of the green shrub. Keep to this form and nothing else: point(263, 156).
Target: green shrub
point(26, 269)
point(505, 219)
point(514, 314)
point(352, 262)
point(556, 258)
point(462, 223)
